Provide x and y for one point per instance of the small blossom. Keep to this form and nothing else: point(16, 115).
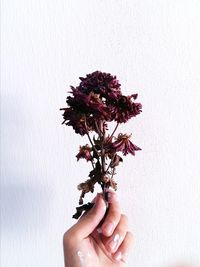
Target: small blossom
point(78, 121)
point(113, 184)
point(90, 104)
point(105, 179)
point(125, 108)
point(85, 153)
point(100, 83)
point(115, 161)
point(87, 186)
point(124, 145)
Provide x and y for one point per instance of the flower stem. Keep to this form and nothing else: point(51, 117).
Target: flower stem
point(113, 172)
point(110, 163)
point(114, 130)
point(92, 164)
point(97, 128)
point(92, 143)
point(102, 138)
point(90, 138)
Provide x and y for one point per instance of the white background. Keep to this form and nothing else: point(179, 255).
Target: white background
point(154, 49)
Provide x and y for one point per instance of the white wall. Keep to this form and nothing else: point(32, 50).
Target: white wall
point(154, 49)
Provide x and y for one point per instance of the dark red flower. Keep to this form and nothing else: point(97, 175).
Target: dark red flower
point(124, 145)
point(115, 161)
point(92, 106)
point(98, 97)
point(124, 108)
point(101, 83)
point(85, 153)
point(78, 121)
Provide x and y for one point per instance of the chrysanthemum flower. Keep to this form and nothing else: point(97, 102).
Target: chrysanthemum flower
point(125, 108)
point(124, 145)
point(100, 83)
point(84, 153)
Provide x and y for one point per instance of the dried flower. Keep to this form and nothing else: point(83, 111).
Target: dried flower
point(85, 153)
point(115, 161)
point(76, 120)
point(87, 186)
point(95, 102)
point(124, 145)
point(101, 83)
point(125, 108)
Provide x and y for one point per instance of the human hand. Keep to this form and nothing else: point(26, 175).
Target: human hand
point(88, 245)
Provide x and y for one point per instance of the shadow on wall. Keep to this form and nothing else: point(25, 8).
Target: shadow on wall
point(24, 206)
point(25, 202)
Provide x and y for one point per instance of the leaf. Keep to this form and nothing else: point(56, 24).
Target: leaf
point(81, 209)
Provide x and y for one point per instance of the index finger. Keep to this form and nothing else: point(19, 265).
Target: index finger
point(113, 216)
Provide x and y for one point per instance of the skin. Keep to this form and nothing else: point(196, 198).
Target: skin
point(89, 243)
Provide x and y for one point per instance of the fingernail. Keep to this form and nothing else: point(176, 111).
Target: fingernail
point(112, 197)
point(99, 230)
point(113, 244)
point(125, 256)
point(98, 203)
point(109, 196)
point(108, 228)
point(97, 199)
point(118, 256)
point(121, 257)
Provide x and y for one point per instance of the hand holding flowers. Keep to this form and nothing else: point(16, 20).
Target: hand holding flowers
point(97, 101)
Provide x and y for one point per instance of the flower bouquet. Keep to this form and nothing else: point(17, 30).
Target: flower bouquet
point(94, 103)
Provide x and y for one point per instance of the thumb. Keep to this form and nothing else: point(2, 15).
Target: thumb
point(87, 223)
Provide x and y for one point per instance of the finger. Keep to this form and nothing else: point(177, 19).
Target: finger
point(113, 216)
point(87, 223)
point(112, 243)
point(122, 252)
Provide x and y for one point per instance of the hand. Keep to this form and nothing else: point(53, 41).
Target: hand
point(86, 244)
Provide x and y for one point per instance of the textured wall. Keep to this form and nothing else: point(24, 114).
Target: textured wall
point(154, 49)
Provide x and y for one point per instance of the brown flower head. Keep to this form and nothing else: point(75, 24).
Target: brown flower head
point(84, 153)
point(87, 186)
point(98, 98)
point(101, 83)
point(115, 161)
point(90, 105)
point(77, 120)
point(124, 145)
point(124, 108)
